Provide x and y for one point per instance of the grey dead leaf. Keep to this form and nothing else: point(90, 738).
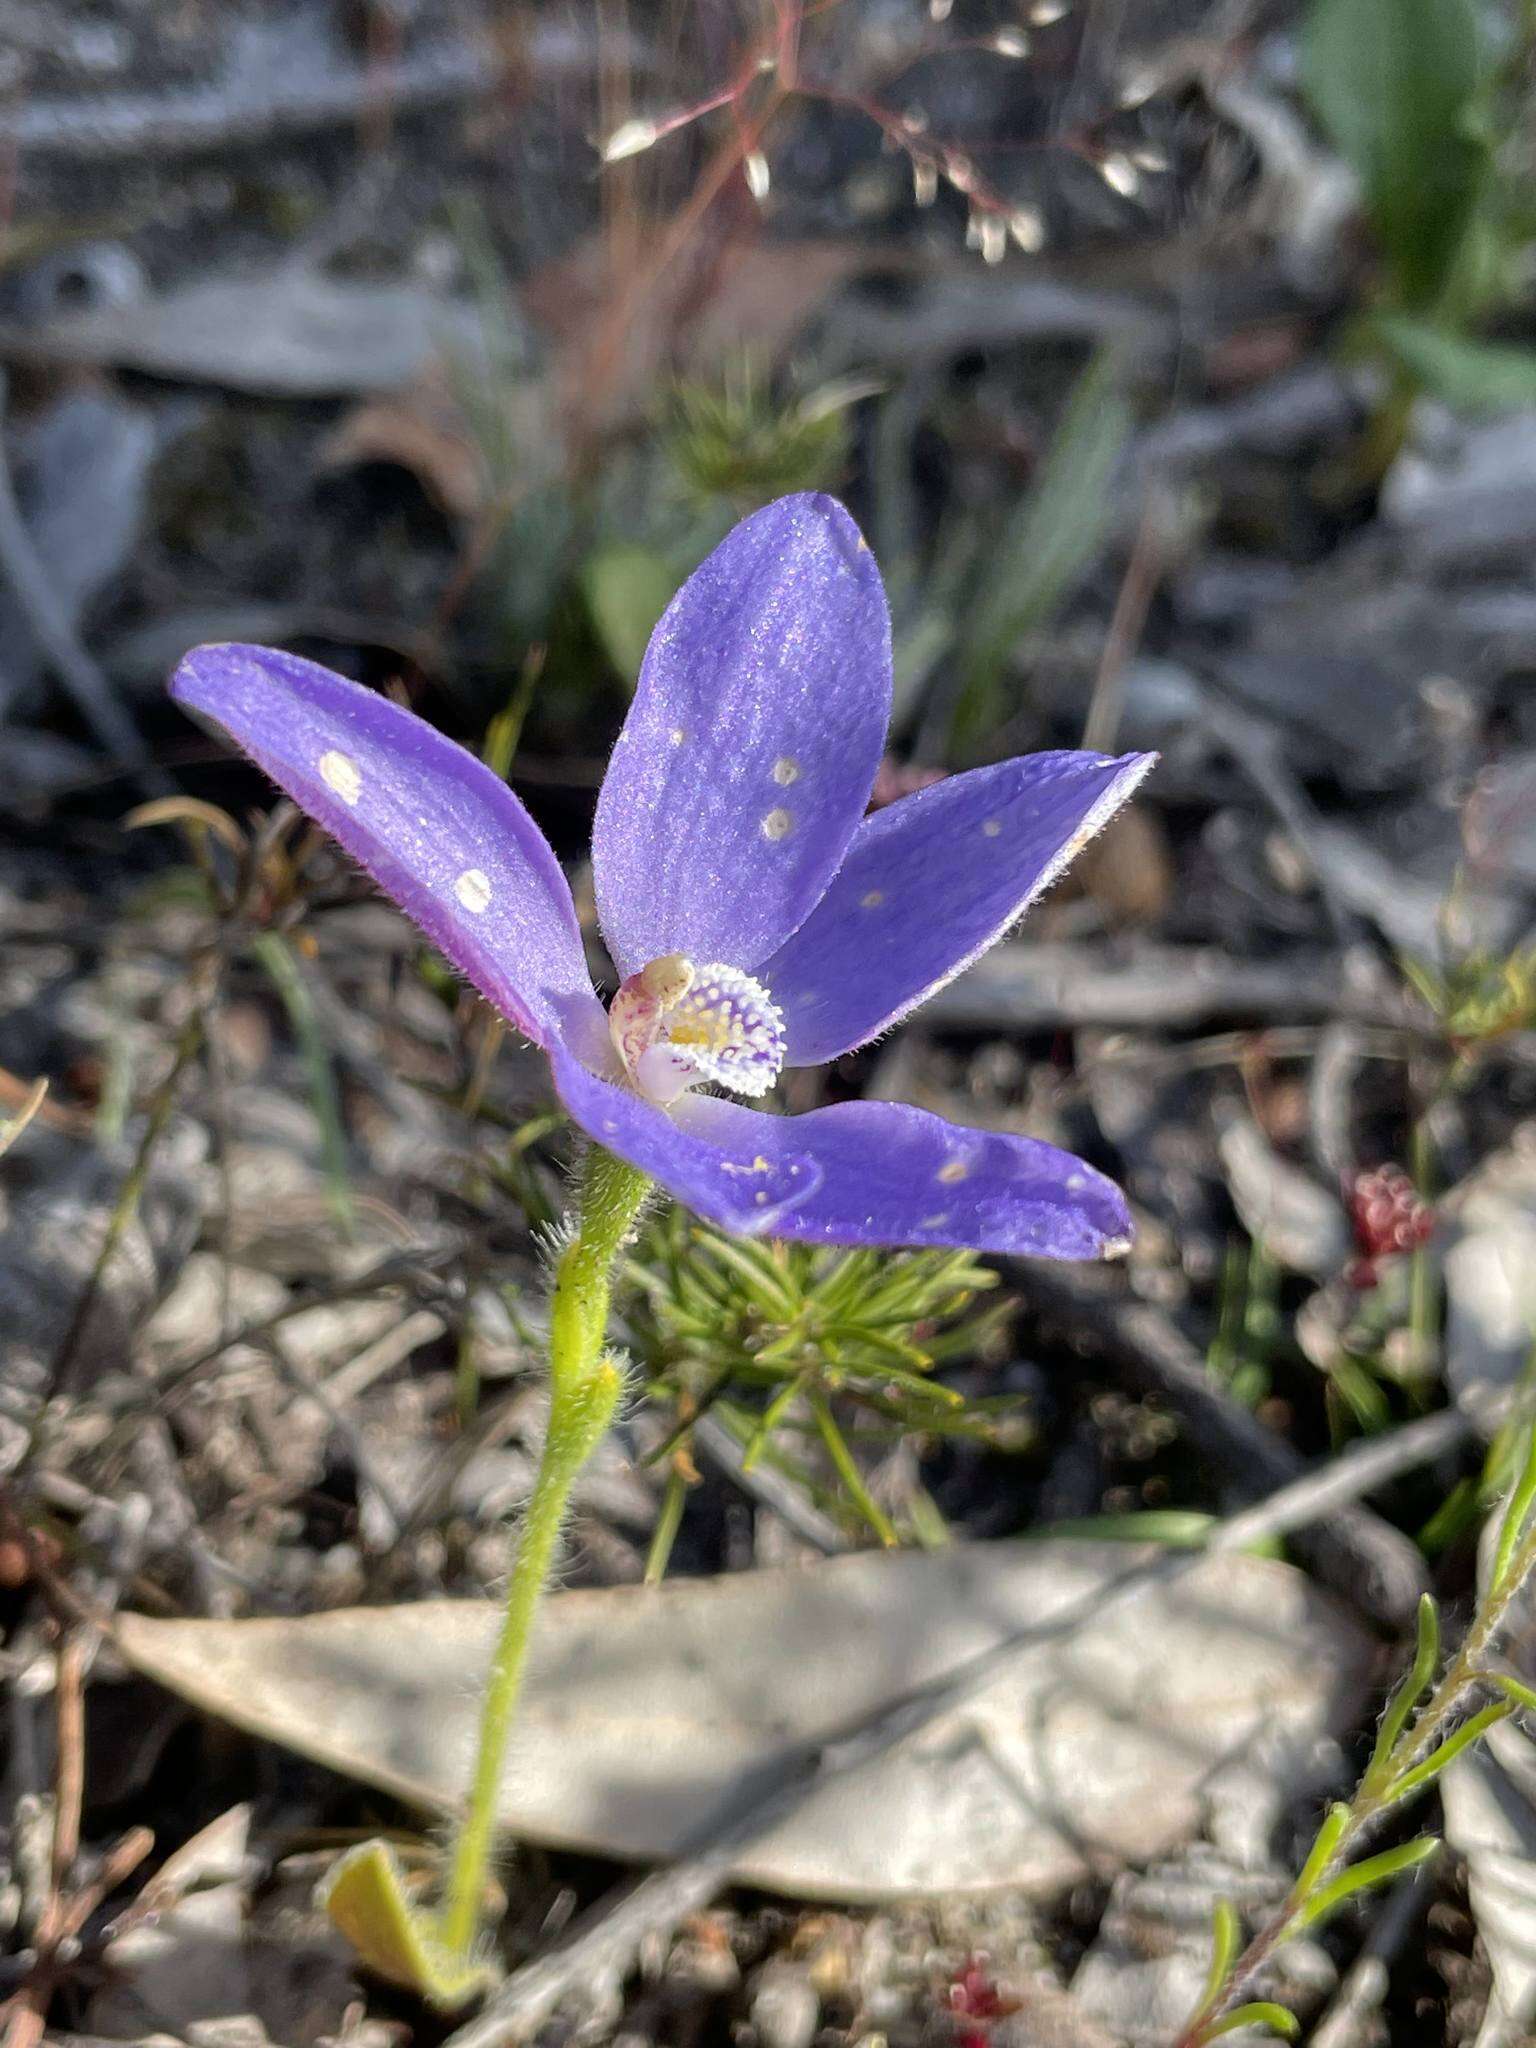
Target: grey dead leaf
point(1490, 1283)
point(1139, 1695)
point(1300, 1222)
point(284, 331)
point(1489, 1795)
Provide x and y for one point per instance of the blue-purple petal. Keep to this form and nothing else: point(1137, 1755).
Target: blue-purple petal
point(751, 748)
point(434, 827)
point(893, 1175)
point(722, 1175)
point(929, 884)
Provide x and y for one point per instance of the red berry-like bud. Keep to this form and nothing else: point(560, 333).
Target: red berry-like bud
point(1388, 1217)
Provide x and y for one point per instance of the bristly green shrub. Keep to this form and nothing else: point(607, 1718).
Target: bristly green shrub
point(783, 1342)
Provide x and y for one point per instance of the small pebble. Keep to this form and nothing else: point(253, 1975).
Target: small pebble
point(785, 2009)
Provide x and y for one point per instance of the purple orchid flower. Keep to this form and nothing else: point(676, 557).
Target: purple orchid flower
point(757, 917)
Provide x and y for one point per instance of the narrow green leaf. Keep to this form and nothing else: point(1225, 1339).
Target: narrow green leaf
point(1519, 1696)
point(1226, 1934)
point(1457, 1514)
point(907, 1356)
point(1516, 1515)
point(848, 1471)
point(627, 588)
point(1259, 2012)
point(1324, 1844)
point(1472, 376)
point(1179, 1528)
point(1408, 1694)
point(1426, 980)
point(940, 1399)
point(1397, 83)
point(1360, 1877)
point(276, 958)
point(771, 1417)
point(843, 1284)
point(668, 1522)
point(1364, 1395)
point(927, 1520)
point(753, 1265)
point(1423, 1774)
point(1048, 543)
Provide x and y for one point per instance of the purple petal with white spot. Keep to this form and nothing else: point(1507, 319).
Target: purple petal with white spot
point(751, 748)
point(893, 1175)
point(434, 827)
point(929, 884)
point(720, 1174)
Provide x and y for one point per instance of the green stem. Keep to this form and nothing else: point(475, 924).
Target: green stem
point(585, 1384)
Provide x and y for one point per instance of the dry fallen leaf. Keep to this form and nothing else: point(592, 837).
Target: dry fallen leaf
point(1299, 1221)
point(282, 330)
point(1111, 1731)
point(1490, 1282)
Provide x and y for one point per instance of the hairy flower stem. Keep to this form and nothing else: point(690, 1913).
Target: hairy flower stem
point(585, 1384)
point(1379, 1790)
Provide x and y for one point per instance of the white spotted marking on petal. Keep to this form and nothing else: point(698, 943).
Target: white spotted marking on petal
point(991, 828)
point(786, 770)
point(933, 1222)
point(776, 825)
point(473, 890)
point(1076, 1182)
point(342, 774)
point(677, 735)
point(955, 1170)
point(871, 899)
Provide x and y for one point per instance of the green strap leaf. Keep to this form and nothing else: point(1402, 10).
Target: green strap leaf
point(1472, 376)
point(1326, 1842)
point(1397, 85)
point(1402, 1703)
point(1425, 1773)
point(1516, 1515)
point(1361, 1877)
point(1259, 2012)
point(365, 1895)
point(1519, 1696)
point(1226, 1934)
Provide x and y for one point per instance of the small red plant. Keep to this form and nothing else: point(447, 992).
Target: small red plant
point(1388, 1216)
point(975, 2000)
